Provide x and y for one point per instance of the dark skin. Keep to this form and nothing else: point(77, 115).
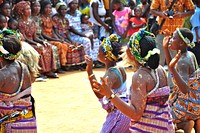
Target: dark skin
point(3, 22)
point(36, 41)
point(135, 108)
point(186, 64)
point(46, 13)
point(138, 14)
point(11, 71)
point(95, 6)
point(186, 126)
point(6, 10)
point(61, 15)
point(114, 79)
point(176, 14)
point(119, 7)
point(73, 6)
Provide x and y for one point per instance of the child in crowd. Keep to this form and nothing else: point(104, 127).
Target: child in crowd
point(195, 22)
point(3, 22)
point(186, 65)
point(87, 28)
point(5, 9)
point(121, 19)
point(137, 21)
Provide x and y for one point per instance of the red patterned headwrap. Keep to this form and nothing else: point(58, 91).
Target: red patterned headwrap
point(19, 7)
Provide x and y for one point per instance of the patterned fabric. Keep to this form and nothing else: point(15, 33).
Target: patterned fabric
point(47, 29)
point(122, 19)
point(156, 117)
point(116, 122)
point(46, 61)
point(135, 21)
point(62, 26)
point(186, 106)
point(22, 125)
point(179, 6)
point(75, 55)
point(37, 20)
point(85, 9)
point(75, 22)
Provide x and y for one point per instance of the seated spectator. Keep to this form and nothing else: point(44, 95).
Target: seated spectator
point(28, 28)
point(29, 55)
point(62, 29)
point(74, 17)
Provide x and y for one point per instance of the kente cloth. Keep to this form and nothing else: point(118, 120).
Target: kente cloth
point(156, 117)
point(116, 121)
point(186, 107)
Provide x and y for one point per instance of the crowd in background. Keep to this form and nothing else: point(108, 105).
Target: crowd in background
point(56, 35)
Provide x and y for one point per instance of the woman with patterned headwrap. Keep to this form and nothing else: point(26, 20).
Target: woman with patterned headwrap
point(17, 112)
point(108, 54)
point(148, 107)
point(28, 28)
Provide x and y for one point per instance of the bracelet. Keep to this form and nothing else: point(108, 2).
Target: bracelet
point(111, 96)
point(90, 76)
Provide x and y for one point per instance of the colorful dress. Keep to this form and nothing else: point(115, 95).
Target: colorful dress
point(122, 19)
point(38, 22)
point(135, 21)
point(20, 104)
point(116, 121)
point(47, 29)
point(156, 117)
point(46, 61)
point(186, 107)
point(75, 54)
point(75, 22)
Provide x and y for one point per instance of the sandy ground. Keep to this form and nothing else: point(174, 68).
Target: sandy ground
point(68, 105)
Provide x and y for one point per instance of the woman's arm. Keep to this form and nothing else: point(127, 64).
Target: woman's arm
point(72, 29)
point(135, 108)
point(166, 46)
point(94, 7)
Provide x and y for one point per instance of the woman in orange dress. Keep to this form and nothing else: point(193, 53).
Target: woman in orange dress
point(28, 28)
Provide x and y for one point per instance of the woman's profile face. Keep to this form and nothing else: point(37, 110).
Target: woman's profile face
point(101, 56)
point(27, 11)
point(175, 41)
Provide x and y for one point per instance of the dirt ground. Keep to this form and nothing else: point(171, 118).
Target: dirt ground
point(68, 105)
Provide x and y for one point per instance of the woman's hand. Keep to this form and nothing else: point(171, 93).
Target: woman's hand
point(103, 87)
point(166, 38)
point(89, 63)
point(174, 61)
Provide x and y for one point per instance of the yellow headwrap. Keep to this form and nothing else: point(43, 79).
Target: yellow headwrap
point(107, 47)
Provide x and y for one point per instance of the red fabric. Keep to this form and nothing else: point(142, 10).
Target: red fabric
point(136, 22)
